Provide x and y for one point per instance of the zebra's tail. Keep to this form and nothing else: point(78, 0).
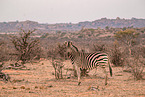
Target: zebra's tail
point(110, 69)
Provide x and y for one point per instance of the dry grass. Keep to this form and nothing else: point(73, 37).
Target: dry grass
point(39, 81)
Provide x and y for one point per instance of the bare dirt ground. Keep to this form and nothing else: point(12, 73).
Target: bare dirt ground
point(38, 81)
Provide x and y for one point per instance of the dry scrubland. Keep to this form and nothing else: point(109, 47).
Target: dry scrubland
point(38, 81)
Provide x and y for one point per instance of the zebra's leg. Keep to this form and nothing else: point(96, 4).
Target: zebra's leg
point(78, 74)
point(106, 75)
point(95, 72)
point(75, 73)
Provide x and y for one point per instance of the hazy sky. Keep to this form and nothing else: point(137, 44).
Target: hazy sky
point(66, 11)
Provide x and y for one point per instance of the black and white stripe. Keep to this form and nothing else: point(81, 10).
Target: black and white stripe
point(95, 59)
point(92, 60)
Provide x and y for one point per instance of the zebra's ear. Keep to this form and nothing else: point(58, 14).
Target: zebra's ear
point(70, 42)
point(65, 43)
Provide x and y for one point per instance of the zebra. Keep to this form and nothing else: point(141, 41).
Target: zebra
point(81, 60)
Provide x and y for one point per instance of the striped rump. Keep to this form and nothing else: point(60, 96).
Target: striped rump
point(95, 59)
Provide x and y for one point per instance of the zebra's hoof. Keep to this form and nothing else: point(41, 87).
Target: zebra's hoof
point(79, 83)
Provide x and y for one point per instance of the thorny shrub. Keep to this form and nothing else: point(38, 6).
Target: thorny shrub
point(136, 64)
point(116, 56)
point(58, 65)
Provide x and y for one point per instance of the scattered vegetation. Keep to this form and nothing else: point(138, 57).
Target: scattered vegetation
point(132, 58)
point(120, 43)
point(125, 47)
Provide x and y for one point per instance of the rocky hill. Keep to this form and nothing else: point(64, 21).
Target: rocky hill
point(7, 27)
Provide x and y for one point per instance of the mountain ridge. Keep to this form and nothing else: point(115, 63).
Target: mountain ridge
point(100, 23)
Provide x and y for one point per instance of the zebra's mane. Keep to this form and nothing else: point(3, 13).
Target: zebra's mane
point(75, 48)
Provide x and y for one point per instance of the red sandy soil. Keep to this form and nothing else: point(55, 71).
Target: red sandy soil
point(38, 81)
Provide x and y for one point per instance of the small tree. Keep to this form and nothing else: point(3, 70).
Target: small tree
point(127, 37)
point(136, 64)
point(116, 55)
point(26, 47)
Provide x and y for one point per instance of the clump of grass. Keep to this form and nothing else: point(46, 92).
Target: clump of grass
point(3, 88)
point(27, 88)
point(22, 87)
point(14, 88)
point(36, 87)
point(42, 87)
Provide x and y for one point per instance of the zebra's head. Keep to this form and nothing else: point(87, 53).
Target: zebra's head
point(71, 50)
